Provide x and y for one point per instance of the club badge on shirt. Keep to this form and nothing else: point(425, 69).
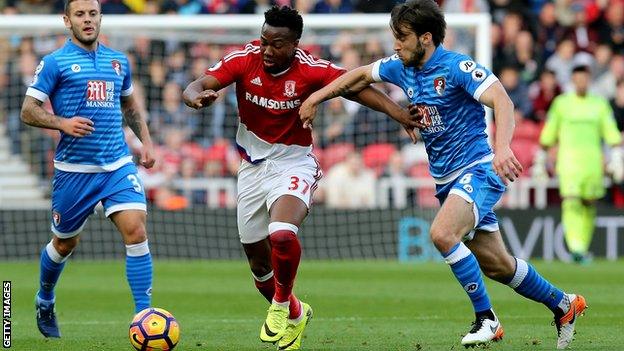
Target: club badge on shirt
point(439, 84)
point(289, 88)
point(116, 66)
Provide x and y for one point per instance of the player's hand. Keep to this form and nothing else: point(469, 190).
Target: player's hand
point(307, 113)
point(77, 127)
point(147, 156)
point(203, 99)
point(506, 165)
point(418, 116)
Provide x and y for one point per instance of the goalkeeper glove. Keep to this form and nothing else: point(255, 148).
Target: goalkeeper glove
point(538, 170)
point(615, 167)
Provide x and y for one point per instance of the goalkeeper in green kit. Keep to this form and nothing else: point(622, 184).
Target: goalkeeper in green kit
point(579, 121)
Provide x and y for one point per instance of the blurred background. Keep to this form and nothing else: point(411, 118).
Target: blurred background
point(376, 199)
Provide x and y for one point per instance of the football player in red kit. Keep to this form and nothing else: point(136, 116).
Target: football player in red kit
point(278, 172)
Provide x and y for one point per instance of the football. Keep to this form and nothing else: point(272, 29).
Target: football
point(154, 329)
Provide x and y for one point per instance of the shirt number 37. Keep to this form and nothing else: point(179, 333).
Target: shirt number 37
point(295, 184)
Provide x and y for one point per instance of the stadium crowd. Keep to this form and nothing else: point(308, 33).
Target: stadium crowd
point(535, 43)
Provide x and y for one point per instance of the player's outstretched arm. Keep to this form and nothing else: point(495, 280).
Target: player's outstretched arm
point(35, 115)
point(346, 85)
point(505, 163)
point(201, 92)
point(135, 118)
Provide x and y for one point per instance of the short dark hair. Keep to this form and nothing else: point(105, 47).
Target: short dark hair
point(421, 16)
point(67, 2)
point(284, 17)
point(581, 68)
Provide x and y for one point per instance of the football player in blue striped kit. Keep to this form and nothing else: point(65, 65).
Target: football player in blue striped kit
point(90, 88)
point(447, 90)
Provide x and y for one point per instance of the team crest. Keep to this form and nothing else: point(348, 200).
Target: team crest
point(116, 66)
point(289, 88)
point(56, 217)
point(439, 84)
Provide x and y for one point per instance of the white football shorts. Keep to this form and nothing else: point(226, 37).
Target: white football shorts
point(259, 185)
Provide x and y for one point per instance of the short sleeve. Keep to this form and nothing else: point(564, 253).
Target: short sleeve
point(473, 77)
point(388, 69)
point(230, 68)
point(44, 80)
point(126, 86)
point(330, 73)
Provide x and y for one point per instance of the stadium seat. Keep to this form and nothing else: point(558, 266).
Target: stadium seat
point(525, 150)
point(376, 156)
point(336, 153)
point(527, 130)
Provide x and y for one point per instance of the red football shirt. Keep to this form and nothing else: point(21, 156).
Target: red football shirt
point(268, 104)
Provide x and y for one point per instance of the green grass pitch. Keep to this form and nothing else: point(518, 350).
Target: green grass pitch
point(358, 305)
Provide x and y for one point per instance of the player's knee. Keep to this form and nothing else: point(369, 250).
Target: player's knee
point(282, 237)
point(442, 240)
point(136, 234)
point(65, 246)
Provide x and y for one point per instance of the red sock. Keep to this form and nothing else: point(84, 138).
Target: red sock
point(285, 257)
point(267, 289)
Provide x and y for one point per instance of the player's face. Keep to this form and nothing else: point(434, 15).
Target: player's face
point(83, 19)
point(409, 47)
point(277, 46)
point(581, 82)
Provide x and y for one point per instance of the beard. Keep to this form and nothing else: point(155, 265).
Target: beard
point(82, 38)
point(416, 59)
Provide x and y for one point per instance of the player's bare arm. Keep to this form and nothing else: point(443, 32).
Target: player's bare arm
point(201, 92)
point(35, 115)
point(346, 85)
point(136, 120)
point(505, 163)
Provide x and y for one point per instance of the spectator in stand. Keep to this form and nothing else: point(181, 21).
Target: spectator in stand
point(602, 55)
point(510, 28)
point(333, 6)
point(171, 113)
point(114, 7)
point(561, 62)
point(350, 185)
point(604, 84)
point(34, 7)
point(549, 32)
point(397, 172)
point(182, 7)
point(542, 93)
point(156, 81)
point(582, 33)
point(333, 122)
point(517, 91)
point(617, 104)
point(525, 57)
point(612, 30)
point(256, 6)
point(369, 6)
